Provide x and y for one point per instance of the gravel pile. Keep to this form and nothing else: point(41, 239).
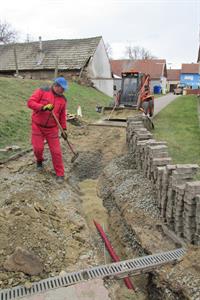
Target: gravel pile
point(126, 193)
point(123, 182)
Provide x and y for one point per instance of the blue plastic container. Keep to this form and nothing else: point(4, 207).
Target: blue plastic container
point(157, 89)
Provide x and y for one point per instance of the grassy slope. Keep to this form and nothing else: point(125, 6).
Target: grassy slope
point(15, 116)
point(178, 125)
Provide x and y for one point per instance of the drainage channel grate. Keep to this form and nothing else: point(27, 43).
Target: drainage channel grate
point(123, 268)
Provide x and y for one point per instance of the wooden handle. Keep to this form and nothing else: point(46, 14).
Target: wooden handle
point(57, 122)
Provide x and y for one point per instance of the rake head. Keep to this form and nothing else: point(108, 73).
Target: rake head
point(74, 157)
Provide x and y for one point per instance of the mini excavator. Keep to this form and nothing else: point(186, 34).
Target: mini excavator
point(134, 97)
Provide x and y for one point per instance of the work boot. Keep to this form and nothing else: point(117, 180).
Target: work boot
point(60, 179)
point(39, 166)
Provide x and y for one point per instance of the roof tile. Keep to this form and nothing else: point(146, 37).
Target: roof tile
point(72, 54)
point(155, 67)
point(190, 68)
point(173, 74)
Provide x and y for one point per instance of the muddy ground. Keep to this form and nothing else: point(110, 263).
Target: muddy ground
point(55, 222)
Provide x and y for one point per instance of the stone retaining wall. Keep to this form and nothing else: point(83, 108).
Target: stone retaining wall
point(178, 195)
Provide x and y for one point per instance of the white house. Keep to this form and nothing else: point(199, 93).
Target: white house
point(80, 59)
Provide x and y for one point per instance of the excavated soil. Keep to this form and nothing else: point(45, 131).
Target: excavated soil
point(55, 222)
point(49, 219)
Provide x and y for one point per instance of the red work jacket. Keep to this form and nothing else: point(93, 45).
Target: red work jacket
point(42, 118)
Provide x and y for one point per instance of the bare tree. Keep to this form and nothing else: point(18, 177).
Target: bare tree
point(108, 50)
point(137, 52)
point(7, 33)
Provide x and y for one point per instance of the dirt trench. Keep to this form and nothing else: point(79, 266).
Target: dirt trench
point(55, 221)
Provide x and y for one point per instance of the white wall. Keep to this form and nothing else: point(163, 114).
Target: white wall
point(162, 82)
point(99, 70)
point(153, 83)
point(104, 85)
point(118, 83)
point(99, 65)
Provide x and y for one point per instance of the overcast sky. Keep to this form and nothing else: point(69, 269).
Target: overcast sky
point(167, 28)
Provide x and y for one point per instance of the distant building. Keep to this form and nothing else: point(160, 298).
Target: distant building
point(190, 76)
point(156, 68)
point(85, 60)
point(173, 78)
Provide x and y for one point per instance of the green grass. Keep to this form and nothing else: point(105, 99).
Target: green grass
point(15, 117)
point(178, 125)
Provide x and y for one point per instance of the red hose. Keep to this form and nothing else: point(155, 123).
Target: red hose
point(112, 252)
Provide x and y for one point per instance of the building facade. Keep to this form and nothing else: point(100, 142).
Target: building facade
point(83, 60)
point(173, 79)
point(156, 68)
point(190, 76)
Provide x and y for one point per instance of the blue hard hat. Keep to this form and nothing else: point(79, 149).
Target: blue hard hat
point(62, 82)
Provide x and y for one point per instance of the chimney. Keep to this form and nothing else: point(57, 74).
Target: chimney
point(40, 43)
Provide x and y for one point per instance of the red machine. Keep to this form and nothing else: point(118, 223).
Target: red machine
point(133, 95)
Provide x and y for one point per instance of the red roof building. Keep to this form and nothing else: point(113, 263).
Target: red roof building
point(190, 68)
point(173, 78)
point(156, 68)
point(173, 74)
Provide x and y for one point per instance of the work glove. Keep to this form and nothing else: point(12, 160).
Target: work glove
point(64, 134)
point(49, 107)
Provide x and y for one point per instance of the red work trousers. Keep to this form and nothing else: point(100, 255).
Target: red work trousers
point(39, 135)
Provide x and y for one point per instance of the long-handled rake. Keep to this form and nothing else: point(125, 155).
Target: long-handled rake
point(76, 154)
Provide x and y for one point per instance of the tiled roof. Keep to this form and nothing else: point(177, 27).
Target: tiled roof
point(72, 54)
point(155, 67)
point(190, 68)
point(117, 66)
point(173, 74)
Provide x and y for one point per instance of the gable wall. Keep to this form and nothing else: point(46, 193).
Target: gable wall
point(99, 70)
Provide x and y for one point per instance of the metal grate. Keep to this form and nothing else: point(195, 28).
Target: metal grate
point(119, 269)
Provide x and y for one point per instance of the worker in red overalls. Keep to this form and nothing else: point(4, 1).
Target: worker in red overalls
point(147, 102)
point(44, 127)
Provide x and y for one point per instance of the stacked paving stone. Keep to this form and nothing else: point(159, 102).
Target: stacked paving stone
point(197, 233)
point(192, 189)
point(178, 196)
point(159, 187)
point(132, 126)
point(179, 175)
point(179, 209)
point(165, 183)
point(157, 156)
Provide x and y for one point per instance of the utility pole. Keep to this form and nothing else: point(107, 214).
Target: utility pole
point(56, 67)
point(16, 64)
